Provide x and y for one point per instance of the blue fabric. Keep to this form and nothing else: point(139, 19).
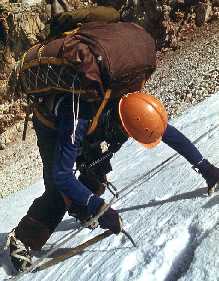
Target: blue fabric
point(65, 153)
point(180, 143)
point(49, 208)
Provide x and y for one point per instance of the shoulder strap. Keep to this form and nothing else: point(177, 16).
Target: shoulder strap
point(99, 111)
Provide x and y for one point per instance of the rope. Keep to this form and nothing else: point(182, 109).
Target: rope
point(98, 161)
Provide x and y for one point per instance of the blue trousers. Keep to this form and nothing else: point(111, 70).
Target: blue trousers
point(180, 143)
point(58, 152)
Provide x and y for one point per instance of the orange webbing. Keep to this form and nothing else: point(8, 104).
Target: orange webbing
point(48, 123)
point(99, 111)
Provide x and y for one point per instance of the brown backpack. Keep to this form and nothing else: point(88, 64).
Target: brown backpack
point(102, 56)
point(98, 60)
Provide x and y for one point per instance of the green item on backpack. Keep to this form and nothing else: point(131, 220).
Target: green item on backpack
point(67, 21)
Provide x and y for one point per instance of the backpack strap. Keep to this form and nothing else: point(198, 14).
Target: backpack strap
point(45, 121)
point(27, 115)
point(71, 32)
point(48, 123)
point(99, 111)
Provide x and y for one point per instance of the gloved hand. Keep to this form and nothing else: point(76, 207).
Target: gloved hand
point(111, 220)
point(91, 181)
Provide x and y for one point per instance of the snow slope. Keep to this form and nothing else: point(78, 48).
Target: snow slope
point(167, 212)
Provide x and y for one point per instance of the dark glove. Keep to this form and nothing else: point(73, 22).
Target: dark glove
point(111, 220)
point(93, 183)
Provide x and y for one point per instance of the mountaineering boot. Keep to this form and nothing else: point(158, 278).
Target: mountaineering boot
point(19, 253)
point(32, 233)
point(210, 173)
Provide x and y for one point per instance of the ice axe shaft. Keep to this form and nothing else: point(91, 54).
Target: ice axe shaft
point(129, 237)
point(112, 189)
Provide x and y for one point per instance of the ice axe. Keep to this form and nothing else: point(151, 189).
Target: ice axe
point(129, 237)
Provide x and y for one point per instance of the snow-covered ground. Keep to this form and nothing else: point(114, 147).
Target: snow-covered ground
point(167, 212)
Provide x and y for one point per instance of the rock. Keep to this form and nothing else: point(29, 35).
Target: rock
point(181, 81)
point(215, 3)
point(2, 143)
point(21, 23)
point(203, 12)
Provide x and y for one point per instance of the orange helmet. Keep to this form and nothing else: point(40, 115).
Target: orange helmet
point(143, 117)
